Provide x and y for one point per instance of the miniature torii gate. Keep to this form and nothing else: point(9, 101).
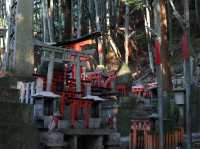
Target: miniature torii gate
point(49, 54)
point(53, 54)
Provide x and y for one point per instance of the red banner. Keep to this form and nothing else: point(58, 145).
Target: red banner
point(185, 46)
point(157, 53)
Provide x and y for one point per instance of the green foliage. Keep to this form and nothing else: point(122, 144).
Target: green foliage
point(138, 4)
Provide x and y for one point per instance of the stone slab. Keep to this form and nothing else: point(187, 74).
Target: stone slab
point(52, 139)
point(86, 131)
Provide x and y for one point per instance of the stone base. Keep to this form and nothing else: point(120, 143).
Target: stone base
point(17, 136)
point(16, 126)
point(52, 140)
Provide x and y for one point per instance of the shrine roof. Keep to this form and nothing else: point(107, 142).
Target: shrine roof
point(46, 94)
point(77, 40)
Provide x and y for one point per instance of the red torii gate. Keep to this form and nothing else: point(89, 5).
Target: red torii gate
point(149, 139)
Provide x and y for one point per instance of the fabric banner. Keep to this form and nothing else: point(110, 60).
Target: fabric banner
point(185, 46)
point(157, 53)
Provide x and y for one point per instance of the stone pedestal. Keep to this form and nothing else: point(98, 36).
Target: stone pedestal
point(113, 141)
point(73, 142)
point(52, 140)
point(16, 128)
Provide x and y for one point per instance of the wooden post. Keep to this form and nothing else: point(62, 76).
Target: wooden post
point(62, 105)
point(74, 106)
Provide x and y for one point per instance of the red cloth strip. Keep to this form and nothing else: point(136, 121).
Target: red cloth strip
point(185, 46)
point(157, 53)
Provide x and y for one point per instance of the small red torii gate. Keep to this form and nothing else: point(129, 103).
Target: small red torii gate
point(77, 105)
point(142, 136)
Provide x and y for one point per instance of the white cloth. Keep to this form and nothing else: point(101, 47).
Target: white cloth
point(21, 87)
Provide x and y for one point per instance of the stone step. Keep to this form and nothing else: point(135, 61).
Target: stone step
point(8, 94)
point(15, 113)
point(14, 136)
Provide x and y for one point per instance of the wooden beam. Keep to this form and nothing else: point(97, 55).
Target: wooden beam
point(59, 49)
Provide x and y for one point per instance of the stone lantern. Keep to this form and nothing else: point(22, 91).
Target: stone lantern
point(46, 105)
point(179, 95)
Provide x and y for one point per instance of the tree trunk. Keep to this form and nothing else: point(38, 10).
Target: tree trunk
point(66, 8)
point(197, 12)
point(164, 47)
point(50, 20)
point(90, 22)
point(147, 21)
point(99, 40)
point(85, 18)
point(79, 18)
point(45, 28)
point(126, 34)
point(162, 61)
